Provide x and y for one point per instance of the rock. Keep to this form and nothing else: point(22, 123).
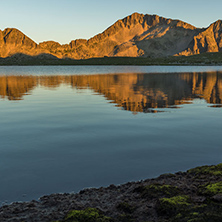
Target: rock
point(217, 198)
point(198, 199)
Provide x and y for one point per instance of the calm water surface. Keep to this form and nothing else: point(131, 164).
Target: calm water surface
point(66, 128)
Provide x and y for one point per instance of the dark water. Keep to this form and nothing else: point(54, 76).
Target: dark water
point(62, 133)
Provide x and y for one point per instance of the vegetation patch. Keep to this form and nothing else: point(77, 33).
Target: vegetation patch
point(212, 189)
point(174, 205)
point(177, 200)
point(207, 170)
point(203, 213)
point(158, 190)
point(87, 215)
point(180, 208)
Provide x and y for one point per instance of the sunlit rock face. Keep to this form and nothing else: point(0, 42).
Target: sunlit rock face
point(132, 92)
point(207, 40)
point(13, 41)
point(135, 35)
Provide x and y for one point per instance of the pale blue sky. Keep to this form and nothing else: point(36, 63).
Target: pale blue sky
point(65, 20)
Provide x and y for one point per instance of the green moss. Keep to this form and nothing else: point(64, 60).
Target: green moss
point(210, 212)
point(210, 170)
point(188, 217)
point(158, 190)
point(87, 215)
point(212, 189)
point(173, 206)
point(193, 217)
point(177, 200)
point(178, 216)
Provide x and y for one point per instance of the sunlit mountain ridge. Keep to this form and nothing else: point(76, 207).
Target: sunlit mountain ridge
point(137, 35)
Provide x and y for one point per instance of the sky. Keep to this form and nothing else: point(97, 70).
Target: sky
point(66, 20)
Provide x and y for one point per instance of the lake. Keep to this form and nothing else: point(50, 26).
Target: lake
point(65, 128)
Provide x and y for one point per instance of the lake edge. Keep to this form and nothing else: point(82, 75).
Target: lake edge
point(195, 193)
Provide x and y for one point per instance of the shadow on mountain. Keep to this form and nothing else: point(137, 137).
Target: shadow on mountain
point(133, 92)
point(39, 56)
point(49, 59)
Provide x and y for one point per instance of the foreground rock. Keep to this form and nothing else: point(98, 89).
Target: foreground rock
point(195, 195)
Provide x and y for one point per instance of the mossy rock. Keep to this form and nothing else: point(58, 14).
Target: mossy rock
point(211, 189)
point(214, 188)
point(190, 217)
point(173, 206)
point(213, 212)
point(207, 216)
point(158, 190)
point(87, 215)
point(210, 212)
point(207, 170)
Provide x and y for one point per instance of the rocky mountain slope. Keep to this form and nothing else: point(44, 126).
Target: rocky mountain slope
point(134, 36)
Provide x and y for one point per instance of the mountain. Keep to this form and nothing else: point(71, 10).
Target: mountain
point(134, 36)
point(207, 40)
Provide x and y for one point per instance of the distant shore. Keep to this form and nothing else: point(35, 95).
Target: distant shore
point(208, 59)
point(195, 195)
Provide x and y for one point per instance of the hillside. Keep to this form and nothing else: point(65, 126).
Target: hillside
point(136, 35)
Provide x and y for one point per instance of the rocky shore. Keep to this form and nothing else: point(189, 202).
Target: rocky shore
point(195, 195)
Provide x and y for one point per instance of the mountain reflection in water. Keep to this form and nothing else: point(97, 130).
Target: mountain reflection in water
point(133, 92)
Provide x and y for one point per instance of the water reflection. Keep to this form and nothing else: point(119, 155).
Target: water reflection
point(133, 92)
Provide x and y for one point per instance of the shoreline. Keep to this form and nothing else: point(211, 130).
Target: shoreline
point(194, 195)
point(112, 65)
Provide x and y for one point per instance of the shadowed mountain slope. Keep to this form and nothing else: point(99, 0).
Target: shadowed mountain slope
point(134, 36)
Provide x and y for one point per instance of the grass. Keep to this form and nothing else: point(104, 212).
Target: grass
point(202, 59)
point(214, 188)
point(176, 201)
point(173, 206)
point(211, 189)
point(207, 170)
point(87, 215)
point(156, 190)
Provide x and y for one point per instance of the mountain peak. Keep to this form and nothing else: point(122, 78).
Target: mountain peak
point(136, 18)
point(16, 37)
point(219, 21)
